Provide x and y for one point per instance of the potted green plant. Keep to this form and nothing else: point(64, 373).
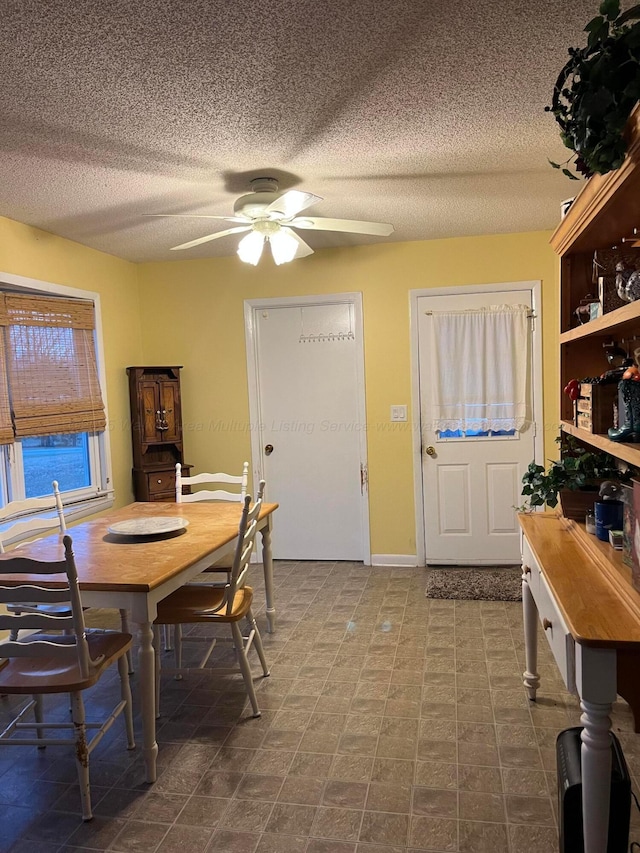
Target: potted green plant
point(597, 89)
point(574, 479)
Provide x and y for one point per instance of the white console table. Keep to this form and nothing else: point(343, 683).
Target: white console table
point(581, 593)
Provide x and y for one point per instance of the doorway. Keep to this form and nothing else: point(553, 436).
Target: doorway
point(468, 482)
point(306, 399)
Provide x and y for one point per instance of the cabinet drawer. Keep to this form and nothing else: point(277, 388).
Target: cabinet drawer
point(162, 481)
point(529, 562)
point(555, 629)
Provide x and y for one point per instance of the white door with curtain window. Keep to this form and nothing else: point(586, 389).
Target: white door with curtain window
point(306, 398)
point(478, 435)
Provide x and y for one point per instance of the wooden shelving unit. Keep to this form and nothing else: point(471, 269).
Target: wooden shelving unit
point(606, 210)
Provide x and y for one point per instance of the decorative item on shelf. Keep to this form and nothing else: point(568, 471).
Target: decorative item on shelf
point(594, 406)
point(628, 524)
point(609, 510)
point(629, 429)
point(627, 283)
point(605, 272)
point(574, 479)
point(596, 91)
point(584, 311)
point(615, 539)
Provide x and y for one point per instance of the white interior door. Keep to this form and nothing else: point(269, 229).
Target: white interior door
point(310, 447)
point(471, 483)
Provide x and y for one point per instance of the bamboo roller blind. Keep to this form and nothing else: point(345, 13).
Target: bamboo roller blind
point(49, 376)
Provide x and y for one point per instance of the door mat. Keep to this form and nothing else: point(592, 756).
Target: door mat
point(477, 584)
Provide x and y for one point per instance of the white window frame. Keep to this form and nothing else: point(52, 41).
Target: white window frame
point(99, 496)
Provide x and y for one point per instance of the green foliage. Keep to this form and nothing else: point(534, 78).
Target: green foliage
point(597, 89)
point(576, 469)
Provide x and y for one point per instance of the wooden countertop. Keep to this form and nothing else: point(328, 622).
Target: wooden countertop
point(108, 562)
point(588, 580)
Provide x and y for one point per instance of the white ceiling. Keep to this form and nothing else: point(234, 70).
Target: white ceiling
point(429, 116)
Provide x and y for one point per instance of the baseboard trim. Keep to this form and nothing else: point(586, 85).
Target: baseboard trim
point(400, 560)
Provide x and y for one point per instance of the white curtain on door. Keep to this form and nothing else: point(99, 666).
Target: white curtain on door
point(480, 363)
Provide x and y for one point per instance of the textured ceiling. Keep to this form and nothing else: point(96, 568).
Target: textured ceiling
point(429, 116)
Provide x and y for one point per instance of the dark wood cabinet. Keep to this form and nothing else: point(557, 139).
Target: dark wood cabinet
point(156, 431)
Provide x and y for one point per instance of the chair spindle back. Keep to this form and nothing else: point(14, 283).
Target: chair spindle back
point(66, 593)
point(241, 480)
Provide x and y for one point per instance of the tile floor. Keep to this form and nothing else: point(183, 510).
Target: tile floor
point(391, 723)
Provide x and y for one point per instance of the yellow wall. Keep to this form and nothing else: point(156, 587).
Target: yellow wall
point(37, 254)
point(193, 315)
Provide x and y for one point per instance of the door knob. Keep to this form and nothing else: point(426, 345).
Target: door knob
point(268, 449)
point(430, 451)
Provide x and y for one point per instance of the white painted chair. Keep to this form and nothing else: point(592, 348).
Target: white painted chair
point(203, 603)
point(216, 494)
point(222, 565)
point(70, 662)
point(34, 526)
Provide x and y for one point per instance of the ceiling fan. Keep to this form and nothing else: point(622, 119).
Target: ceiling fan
point(270, 217)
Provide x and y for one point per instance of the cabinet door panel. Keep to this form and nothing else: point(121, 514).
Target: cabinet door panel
point(170, 410)
point(149, 405)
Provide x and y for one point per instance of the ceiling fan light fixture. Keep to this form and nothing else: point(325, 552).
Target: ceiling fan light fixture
point(273, 217)
point(283, 247)
point(250, 248)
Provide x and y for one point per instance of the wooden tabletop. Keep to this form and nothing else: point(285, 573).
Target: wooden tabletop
point(109, 562)
point(598, 603)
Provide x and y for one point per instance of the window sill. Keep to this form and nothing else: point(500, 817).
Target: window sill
point(72, 512)
point(89, 506)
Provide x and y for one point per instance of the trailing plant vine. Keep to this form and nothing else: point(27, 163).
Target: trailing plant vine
point(597, 89)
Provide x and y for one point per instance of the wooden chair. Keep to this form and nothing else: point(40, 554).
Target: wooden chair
point(38, 525)
point(58, 663)
point(223, 565)
point(241, 480)
point(203, 603)
point(34, 525)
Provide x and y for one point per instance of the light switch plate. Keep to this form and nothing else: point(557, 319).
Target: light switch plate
point(398, 413)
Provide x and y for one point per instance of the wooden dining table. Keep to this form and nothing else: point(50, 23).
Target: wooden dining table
point(135, 572)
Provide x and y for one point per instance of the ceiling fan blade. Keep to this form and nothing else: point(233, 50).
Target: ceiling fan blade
point(199, 216)
point(292, 202)
point(353, 226)
point(303, 249)
point(209, 237)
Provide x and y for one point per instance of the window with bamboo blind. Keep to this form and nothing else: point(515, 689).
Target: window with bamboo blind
point(51, 369)
point(52, 413)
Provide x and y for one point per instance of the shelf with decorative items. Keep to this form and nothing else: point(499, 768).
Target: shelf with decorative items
point(598, 241)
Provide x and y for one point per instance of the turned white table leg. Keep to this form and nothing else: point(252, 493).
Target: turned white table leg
point(147, 667)
point(596, 683)
point(267, 562)
point(596, 775)
point(530, 677)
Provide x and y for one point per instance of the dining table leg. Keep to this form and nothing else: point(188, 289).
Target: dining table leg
point(267, 562)
point(147, 668)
